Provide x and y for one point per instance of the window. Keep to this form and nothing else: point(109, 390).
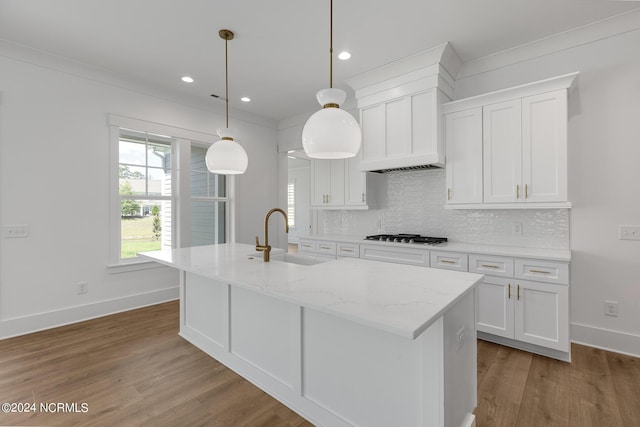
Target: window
point(291, 204)
point(208, 201)
point(162, 195)
point(145, 189)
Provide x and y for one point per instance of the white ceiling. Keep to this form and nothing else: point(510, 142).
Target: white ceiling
point(280, 56)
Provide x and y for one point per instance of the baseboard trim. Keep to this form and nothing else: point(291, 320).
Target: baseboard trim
point(606, 339)
point(53, 319)
point(531, 348)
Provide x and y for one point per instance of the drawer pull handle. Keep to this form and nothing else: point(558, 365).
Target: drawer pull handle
point(518, 292)
point(540, 271)
point(446, 261)
point(489, 266)
point(526, 191)
point(509, 291)
point(517, 191)
point(325, 247)
point(346, 250)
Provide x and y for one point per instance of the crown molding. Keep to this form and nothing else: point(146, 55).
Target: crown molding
point(619, 24)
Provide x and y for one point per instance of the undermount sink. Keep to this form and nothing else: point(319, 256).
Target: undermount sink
point(297, 259)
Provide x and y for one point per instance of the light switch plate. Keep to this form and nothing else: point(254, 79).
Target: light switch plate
point(20, 230)
point(629, 232)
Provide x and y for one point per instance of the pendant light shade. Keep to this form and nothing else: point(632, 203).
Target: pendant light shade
point(331, 133)
point(226, 157)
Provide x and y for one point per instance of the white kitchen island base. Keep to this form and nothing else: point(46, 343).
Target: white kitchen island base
point(334, 371)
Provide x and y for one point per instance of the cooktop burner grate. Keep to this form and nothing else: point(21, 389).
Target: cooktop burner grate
point(407, 238)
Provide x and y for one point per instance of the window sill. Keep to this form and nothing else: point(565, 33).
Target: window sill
point(133, 266)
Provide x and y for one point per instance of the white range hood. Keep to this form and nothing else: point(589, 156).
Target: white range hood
point(400, 115)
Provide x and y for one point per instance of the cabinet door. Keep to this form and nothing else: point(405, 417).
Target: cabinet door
point(463, 138)
point(372, 123)
point(327, 183)
point(398, 128)
point(542, 314)
point(495, 306)
point(336, 183)
point(320, 182)
point(544, 146)
point(355, 184)
point(502, 152)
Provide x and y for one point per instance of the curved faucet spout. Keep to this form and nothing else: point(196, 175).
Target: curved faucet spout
point(266, 249)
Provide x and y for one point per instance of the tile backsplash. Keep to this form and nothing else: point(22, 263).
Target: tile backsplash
point(413, 202)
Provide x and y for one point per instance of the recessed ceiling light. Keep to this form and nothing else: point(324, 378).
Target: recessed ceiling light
point(187, 79)
point(344, 55)
point(245, 99)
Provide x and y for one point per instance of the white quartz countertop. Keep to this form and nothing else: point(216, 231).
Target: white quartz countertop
point(472, 248)
point(400, 299)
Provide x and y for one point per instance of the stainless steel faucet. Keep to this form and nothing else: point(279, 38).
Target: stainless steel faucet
point(266, 249)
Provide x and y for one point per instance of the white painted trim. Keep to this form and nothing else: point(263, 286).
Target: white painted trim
point(532, 205)
point(53, 319)
point(521, 345)
point(619, 24)
point(606, 339)
point(535, 88)
point(159, 128)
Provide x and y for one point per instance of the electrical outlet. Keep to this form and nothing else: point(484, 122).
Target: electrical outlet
point(83, 288)
point(516, 228)
point(611, 308)
point(629, 232)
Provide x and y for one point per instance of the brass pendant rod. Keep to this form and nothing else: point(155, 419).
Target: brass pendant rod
point(226, 72)
point(331, 44)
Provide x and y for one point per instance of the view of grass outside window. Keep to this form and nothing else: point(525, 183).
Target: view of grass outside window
point(145, 193)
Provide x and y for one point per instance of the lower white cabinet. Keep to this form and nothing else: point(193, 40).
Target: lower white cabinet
point(521, 302)
point(317, 248)
point(531, 312)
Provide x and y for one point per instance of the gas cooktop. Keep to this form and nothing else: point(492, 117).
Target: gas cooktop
point(407, 238)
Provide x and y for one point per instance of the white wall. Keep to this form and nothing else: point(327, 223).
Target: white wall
point(54, 176)
point(604, 154)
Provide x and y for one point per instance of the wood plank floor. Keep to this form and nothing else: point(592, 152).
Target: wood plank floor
point(133, 369)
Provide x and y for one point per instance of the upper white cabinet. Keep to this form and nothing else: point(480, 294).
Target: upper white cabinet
point(464, 156)
point(400, 110)
point(544, 147)
point(339, 184)
point(327, 183)
point(523, 139)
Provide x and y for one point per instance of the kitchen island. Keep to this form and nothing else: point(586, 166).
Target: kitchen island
point(342, 342)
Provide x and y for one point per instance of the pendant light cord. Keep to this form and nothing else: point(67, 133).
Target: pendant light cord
point(331, 44)
point(226, 72)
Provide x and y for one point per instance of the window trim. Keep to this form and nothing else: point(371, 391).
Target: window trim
point(180, 196)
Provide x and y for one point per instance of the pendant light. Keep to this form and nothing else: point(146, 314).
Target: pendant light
point(331, 133)
point(226, 157)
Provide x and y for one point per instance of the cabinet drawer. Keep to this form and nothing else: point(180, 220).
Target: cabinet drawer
point(450, 261)
point(328, 248)
point(491, 265)
point(348, 250)
point(306, 246)
point(395, 254)
point(542, 271)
